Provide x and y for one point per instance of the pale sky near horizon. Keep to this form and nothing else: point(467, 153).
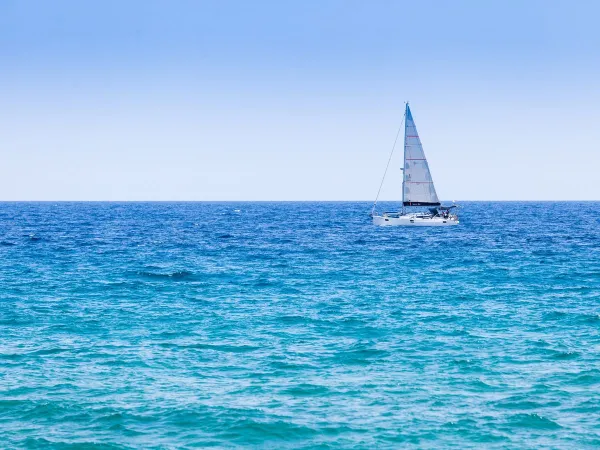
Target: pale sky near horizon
point(297, 100)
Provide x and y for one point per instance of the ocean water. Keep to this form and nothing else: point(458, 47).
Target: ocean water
point(298, 325)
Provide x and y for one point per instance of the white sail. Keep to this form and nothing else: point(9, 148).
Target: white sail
point(418, 184)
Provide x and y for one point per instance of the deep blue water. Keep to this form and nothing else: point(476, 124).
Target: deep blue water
point(298, 325)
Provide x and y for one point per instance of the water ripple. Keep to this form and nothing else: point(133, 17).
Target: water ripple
point(298, 325)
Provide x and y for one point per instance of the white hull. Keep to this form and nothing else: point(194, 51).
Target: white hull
point(410, 220)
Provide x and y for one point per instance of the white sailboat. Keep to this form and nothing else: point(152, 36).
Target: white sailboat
point(418, 190)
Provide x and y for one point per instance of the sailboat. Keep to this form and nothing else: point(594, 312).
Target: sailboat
point(420, 204)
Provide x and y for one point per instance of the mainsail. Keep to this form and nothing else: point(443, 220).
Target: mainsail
point(418, 188)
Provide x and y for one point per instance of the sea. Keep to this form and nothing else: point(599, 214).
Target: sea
point(298, 325)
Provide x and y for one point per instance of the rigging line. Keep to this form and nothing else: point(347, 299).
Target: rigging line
point(388, 164)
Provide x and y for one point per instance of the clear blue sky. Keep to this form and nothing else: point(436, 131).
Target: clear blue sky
point(296, 100)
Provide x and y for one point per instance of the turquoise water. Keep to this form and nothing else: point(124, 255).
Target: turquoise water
point(298, 325)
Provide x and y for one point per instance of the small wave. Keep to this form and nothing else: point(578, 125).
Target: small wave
point(566, 355)
point(287, 366)
point(180, 274)
point(52, 410)
point(461, 423)
point(560, 354)
point(541, 343)
point(7, 244)
point(247, 426)
point(293, 319)
point(48, 351)
point(468, 365)
point(480, 385)
point(290, 290)
point(518, 405)
point(534, 421)
point(228, 348)
point(264, 283)
point(588, 318)
point(306, 390)
point(15, 322)
point(554, 315)
point(115, 417)
point(361, 356)
point(589, 377)
point(255, 432)
point(543, 253)
point(591, 407)
point(261, 257)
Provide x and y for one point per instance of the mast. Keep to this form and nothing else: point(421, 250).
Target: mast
point(404, 158)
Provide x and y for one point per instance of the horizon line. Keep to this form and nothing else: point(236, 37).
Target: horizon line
point(278, 201)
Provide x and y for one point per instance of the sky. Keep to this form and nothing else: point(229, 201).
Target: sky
point(297, 100)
